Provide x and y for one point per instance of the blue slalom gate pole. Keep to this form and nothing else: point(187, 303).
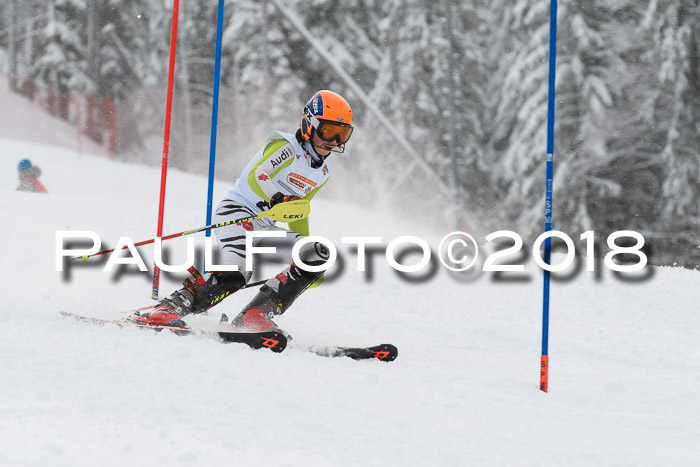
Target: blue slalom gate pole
point(215, 111)
point(544, 362)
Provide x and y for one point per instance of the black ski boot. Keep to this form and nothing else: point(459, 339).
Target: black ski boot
point(194, 297)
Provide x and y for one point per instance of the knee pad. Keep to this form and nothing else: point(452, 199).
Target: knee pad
point(314, 254)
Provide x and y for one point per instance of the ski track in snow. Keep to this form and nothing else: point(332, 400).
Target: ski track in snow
point(624, 371)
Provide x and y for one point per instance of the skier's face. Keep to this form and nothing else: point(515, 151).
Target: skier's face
point(323, 148)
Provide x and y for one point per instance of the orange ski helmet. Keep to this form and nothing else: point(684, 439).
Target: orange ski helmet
point(330, 115)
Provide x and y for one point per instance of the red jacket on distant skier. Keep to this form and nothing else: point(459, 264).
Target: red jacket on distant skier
point(29, 177)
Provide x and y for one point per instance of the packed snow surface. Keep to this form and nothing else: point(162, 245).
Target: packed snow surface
point(624, 355)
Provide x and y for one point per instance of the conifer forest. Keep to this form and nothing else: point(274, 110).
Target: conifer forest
point(463, 81)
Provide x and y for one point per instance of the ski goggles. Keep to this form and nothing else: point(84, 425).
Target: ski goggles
point(332, 131)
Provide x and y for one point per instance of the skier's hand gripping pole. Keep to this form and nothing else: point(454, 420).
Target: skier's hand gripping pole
point(289, 211)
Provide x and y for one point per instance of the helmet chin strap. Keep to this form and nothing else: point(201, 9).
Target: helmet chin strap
point(316, 158)
point(339, 149)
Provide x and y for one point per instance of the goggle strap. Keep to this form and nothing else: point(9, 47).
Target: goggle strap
point(314, 121)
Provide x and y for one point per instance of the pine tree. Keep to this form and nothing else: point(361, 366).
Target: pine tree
point(627, 111)
point(677, 38)
point(63, 65)
point(519, 135)
point(676, 59)
point(600, 185)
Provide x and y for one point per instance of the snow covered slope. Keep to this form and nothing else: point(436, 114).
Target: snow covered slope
point(625, 362)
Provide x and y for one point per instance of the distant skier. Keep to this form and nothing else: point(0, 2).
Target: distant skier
point(29, 177)
point(288, 167)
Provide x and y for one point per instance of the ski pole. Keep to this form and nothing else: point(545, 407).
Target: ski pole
point(254, 284)
point(283, 212)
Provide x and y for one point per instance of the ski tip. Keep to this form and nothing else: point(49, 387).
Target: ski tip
point(385, 352)
point(273, 339)
point(276, 342)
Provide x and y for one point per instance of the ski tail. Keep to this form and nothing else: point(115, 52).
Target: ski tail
point(272, 339)
point(126, 322)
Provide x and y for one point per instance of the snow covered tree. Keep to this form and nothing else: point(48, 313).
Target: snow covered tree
point(626, 139)
point(519, 135)
point(62, 64)
point(677, 38)
point(675, 58)
point(601, 171)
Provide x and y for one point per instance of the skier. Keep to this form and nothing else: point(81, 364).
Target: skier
point(29, 177)
point(287, 168)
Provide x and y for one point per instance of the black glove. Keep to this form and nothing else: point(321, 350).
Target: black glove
point(281, 198)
